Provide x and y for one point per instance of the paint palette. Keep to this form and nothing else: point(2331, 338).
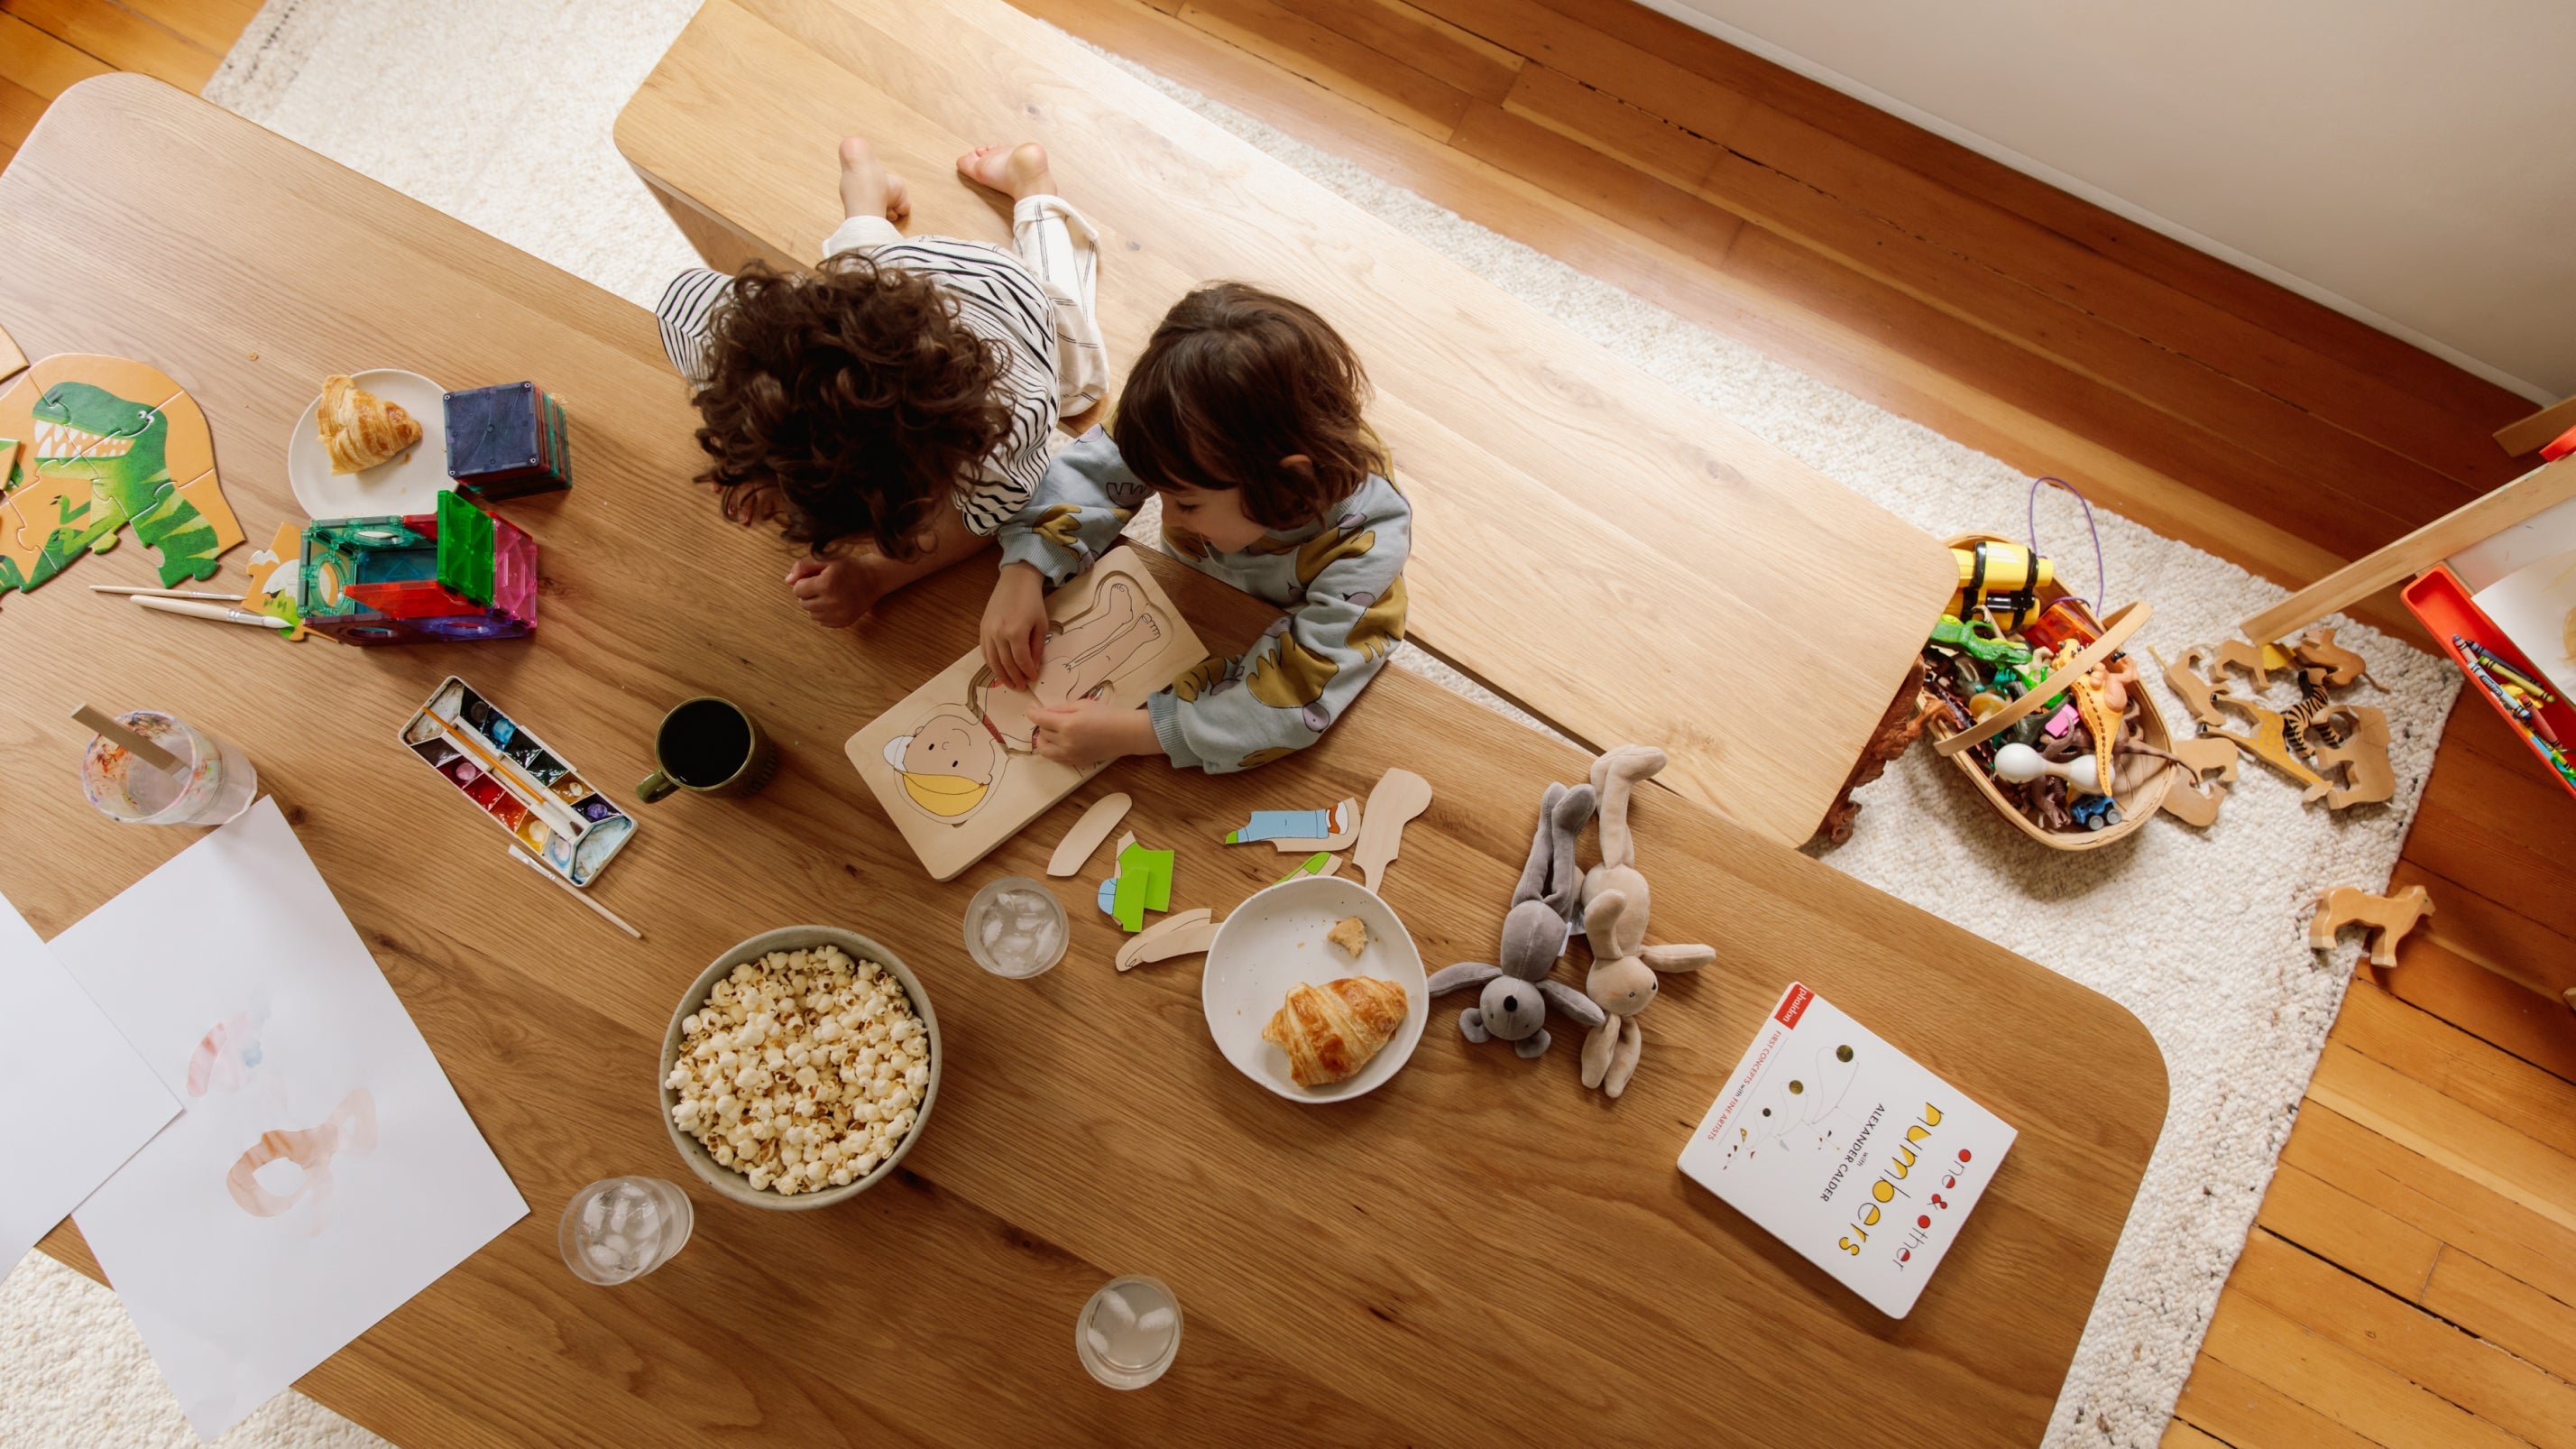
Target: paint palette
point(526, 788)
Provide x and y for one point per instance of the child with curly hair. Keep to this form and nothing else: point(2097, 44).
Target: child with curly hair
point(893, 407)
point(1245, 413)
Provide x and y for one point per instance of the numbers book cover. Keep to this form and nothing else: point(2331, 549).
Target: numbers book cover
point(1847, 1150)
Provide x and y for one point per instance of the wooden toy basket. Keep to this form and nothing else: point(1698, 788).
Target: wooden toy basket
point(2138, 782)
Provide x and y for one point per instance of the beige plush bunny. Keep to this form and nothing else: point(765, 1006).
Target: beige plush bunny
point(1615, 907)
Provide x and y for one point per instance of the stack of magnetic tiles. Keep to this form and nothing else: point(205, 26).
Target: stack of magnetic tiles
point(459, 573)
point(507, 441)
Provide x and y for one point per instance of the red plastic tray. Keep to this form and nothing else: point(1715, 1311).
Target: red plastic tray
point(2443, 603)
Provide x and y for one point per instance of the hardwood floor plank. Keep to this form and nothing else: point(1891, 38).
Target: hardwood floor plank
point(1302, 47)
point(2478, 927)
point(2503, 1088)
point(2453, 1134)
point(2497, 1010)
point(2505, 1311)
point(2183, 268)
point(211, 24)
point(19, 108)
point(2371, 1400)
point(120, 38)
point(40, 63)
point(2305, 1209)
point(2243, 1412)
point(2179, 1435)
point(2506, 1392)
point(2415, 1190)
point(1417, 38)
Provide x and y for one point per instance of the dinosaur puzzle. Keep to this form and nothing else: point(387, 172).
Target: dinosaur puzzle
point(91, 444)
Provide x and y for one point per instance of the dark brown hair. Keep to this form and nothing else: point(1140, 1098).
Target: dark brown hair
point(1235, 379)
point(847, 401)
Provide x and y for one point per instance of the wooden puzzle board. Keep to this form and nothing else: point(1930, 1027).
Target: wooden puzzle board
point(107, 442)
point(952, 764)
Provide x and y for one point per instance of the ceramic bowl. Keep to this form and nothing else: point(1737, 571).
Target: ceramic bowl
point(1274, 941)
point(726, 1180)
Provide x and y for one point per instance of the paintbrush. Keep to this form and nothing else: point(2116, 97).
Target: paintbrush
point(164, 593)
point(532, 863)
point(554, 812)
point(216, 612)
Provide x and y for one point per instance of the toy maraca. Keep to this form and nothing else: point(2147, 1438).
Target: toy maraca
point(2020, 764)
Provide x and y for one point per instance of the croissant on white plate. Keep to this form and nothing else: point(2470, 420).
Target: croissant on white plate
point(359, 429)
point(1331, 1031)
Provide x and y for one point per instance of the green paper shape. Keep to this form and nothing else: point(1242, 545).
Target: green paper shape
point(1158, 879)
point(1314, 863)
point(1128, 906)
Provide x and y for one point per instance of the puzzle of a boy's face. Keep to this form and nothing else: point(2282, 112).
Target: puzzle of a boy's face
point(90, 444)
point(955, 764)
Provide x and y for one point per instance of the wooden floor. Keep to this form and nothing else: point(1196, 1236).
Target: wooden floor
point(2413, 1277)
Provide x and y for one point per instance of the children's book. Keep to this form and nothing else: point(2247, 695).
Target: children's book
point(1847, 1150)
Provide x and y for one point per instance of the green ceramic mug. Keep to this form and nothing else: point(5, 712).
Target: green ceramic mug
point(709, 746)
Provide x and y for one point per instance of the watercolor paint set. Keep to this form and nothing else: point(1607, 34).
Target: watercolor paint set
point(526, 788)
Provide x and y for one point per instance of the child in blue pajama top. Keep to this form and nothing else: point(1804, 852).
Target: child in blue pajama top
point(1245, 414)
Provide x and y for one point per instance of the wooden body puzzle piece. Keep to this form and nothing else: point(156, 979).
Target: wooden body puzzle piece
point(1316, 864)
point(107, 442)
point(1347, 812)
point(2388, 918)
point(1087, 833)
point(2317, 647)
point(949, 764)
point(1179, 935)
point(2362, 755)
point(2195, 801)
point(1397, 798)
point(2268, 740)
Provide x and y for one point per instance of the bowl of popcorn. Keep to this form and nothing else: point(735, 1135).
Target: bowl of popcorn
point(800, 1068)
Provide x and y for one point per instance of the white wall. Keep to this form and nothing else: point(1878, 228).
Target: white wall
point(2413, 164)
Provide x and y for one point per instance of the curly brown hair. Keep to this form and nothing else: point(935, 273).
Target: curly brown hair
point(1235, 379)
point(845, 401)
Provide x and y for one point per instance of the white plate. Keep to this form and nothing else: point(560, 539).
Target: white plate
point(408, 484)
point(1274, 941)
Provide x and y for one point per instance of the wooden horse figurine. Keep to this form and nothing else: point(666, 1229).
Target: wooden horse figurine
point(2388, 918)
point(2363, 754)
point(2317, 647)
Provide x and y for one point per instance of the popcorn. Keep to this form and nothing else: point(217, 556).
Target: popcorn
point(802, 1070)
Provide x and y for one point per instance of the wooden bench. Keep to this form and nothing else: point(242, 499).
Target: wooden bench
point(1624, 562)
point(1334, 1264)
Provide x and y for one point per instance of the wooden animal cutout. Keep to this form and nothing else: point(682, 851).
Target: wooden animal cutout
point(2268, 741)
point(2317, 647)
point(2388, 918)
point(2362, 754)
point(2184, 678)
point(1400, 795)
point(2195, 801)
point(2258, 660)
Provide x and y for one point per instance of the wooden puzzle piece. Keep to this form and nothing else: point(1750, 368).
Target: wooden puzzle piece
point(2387, 918)
point(2195, 800)
point(1397, 798)
point(122, 443)
point(1347, 812)
point(2258, 660)
point(2184, 678)
point(272, 579)
point(2363, 758)
point(2268, 740)
point(1179, 935)
point(1087, 833)
point(1084, 656)
point(12, 362)
point(2317, 647)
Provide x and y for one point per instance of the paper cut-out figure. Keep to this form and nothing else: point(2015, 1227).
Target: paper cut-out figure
point(949, 764)
point(351, 1128)
point(1083, 658)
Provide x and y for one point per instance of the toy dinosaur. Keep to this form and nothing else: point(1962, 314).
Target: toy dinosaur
point(1616, 903)
point(2363, 755)
point(1979, 639)
point(2387, 918)
point(1518, 993)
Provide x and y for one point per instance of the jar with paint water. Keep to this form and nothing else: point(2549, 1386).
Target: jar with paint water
point(213, 783)
point(620, 1228)
point(1129, 1332)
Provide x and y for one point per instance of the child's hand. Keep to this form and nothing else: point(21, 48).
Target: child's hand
point(835, 593)
point(867, 187)
point(1015, 626)
point(1088, 731)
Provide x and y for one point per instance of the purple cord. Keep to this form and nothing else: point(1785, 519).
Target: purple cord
point(2032, 519)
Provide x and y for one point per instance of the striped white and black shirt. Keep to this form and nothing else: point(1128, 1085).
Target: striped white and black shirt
point(998, 298)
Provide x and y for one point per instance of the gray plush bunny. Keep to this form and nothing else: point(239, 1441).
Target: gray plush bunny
point(1518, 992)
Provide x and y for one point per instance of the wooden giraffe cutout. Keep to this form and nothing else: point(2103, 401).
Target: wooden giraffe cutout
point(2388, 918)
point(2317, 647)
point(2268, 741)
point(2363, 755)
point(2195, 801)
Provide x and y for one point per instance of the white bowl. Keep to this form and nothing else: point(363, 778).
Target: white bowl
point(1276, 940)
point(726, 1180)
point(408, 484)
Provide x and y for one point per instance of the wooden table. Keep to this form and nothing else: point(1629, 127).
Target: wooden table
point(1360, 1274)
point(1626, 563)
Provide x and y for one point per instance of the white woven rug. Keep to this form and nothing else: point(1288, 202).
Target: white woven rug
point(499, 112)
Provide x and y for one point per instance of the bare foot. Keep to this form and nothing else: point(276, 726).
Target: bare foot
point(867, 187)
point(1018, 172)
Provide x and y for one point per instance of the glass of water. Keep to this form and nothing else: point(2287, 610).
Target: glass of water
point(1016, 928)
point(1129, 1332)
point(620, 1228)
point(214, 783)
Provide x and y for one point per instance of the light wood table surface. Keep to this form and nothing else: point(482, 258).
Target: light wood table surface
point(1479, 1230)
point(1628, 564)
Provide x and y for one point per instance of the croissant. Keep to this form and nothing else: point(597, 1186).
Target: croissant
point(359, 429)
point(1331, 1031)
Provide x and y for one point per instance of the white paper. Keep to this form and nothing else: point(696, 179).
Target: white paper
point(82, 1099)
point(235, 974)
point(1847, 1150)
point(2532, 606)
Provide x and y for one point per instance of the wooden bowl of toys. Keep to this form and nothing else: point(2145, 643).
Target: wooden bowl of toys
point(2024, 742)
point(874, 1040)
